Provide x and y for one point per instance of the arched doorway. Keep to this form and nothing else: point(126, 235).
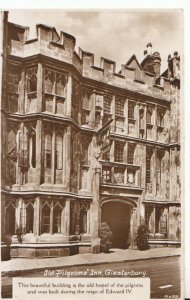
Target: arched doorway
point(118, 215)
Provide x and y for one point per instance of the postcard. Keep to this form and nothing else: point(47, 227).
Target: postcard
point(91, 139)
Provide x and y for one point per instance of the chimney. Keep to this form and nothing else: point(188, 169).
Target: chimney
point(174, 66)
point(151, 62)
point(156, 63)
point(149, 49)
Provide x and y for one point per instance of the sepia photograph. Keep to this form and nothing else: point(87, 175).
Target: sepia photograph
point(91, 131)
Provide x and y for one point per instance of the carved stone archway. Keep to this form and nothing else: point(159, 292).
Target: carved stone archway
point(121, 216)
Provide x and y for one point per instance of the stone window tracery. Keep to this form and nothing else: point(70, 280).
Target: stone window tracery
point(149, 115)
point(148, 166)
point(119, 175)
point(106, 153)
point(61, 80)
point(48, 151)
point(74, 159)
point(46, 218)
point(11, 141)
point(32, 146)
point(107, 104)
point(23, 161)
point(13, 89)
point(119, 149)
point(83, 218)
point(86, 106)
point(49, 81)
point(85, 142)
point(131, 110)
point(31, 80)
point(59, 152)
point(119, 107)
point(159, 157)
point(10, 217)
point(52, 216)
point(27, 216)
point(106, 174)
point(131, 176)
point(72, 218)
point(130, 153)
point(160, 117)
point(57, 211)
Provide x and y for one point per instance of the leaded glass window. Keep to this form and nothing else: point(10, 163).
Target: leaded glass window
point(119, 148)
point(59, 153)
point(119, 107)
point(130, 153)
point(131, 110)
point(48, 151)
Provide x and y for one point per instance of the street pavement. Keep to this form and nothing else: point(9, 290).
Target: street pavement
point(19, 266)
point(164, 274)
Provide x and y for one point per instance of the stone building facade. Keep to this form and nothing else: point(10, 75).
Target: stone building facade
point(83, 144)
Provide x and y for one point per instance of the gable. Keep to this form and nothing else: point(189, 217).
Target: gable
point(134, 64)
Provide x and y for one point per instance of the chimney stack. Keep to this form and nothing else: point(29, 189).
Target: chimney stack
point(149, 49)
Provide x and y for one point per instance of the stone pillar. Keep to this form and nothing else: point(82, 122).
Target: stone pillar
point(53, 158)
point(67, 218)
point(138, 213)
point(141, 211)
point(113, 114)
point(125, 153)
point(133, 227)
point(88, 221)
point(173, 174)
point(39, 88)
point(23, 217)
point(4, 161)
point(51, 218)
point(19, 173)
point(3, 220)
point(145, 127)
point(92, 117)
point(38, 152)
point(95, 211)
point(126, 116)
point(69, 96)
point(154, 219)
point(137, 120)
point(21, 99)
point(36, 226)
point(153, 171)
point(155, 125)
point(112, 151)
point(67, 158)
point(18, 213)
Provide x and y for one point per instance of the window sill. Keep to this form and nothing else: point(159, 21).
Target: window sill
point(85, 167)
point(107, 112)
point(130, 120)
point(160, 128)
point(49, 94)
point(149, 125)
point(119, 117)
point(98, 107)
point(32, 95)
point(86, 109)
point(122, 185)
point(59, 97)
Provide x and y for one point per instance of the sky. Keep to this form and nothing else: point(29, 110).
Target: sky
point(117, 34)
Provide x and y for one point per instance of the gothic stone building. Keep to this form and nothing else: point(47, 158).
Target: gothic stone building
point(83, 144)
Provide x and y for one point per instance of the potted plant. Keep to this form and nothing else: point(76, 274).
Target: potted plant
point(105, 235)
point(142, 237)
